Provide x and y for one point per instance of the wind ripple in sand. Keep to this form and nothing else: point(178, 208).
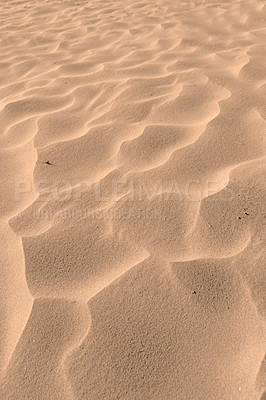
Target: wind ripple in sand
point(153, 116)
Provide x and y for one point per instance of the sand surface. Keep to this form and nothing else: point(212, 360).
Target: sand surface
point(133, 200)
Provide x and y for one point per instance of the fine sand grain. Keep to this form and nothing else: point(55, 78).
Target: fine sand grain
point(133, 200)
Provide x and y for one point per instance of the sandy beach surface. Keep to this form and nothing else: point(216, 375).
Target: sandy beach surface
point(133, 200)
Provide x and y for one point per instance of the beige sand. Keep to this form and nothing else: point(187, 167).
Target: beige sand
point(133, 200)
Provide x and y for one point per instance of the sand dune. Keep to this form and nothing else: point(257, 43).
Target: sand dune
point(133, 170)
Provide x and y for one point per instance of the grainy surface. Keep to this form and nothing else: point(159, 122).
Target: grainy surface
point(133, 200)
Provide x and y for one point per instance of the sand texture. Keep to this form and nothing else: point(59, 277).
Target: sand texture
point(133, 200)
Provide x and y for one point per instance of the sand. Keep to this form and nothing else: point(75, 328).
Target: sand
point(133, 200)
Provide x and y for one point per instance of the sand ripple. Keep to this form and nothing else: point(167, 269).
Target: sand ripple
point(151, 210)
